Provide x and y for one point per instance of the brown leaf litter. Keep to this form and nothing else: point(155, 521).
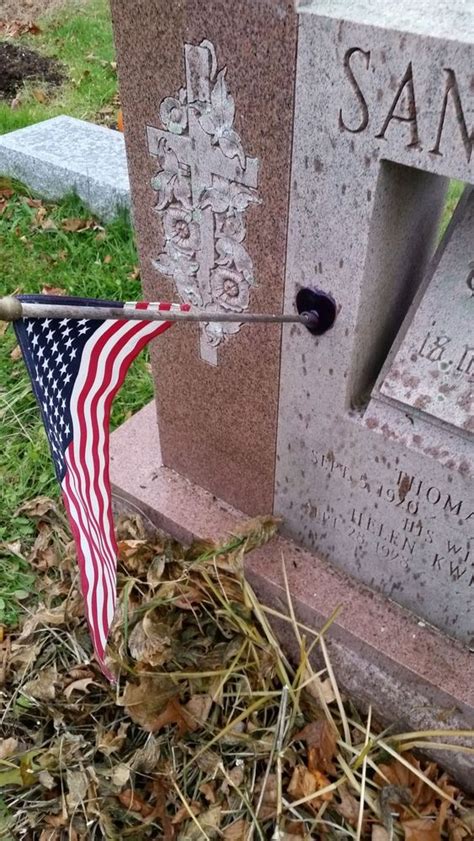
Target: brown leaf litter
point(210, 733)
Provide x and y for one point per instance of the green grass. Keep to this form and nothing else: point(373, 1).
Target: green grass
point(454, 194)
point(80, 36)
point(92, 263)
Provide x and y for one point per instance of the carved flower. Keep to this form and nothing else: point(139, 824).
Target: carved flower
point(229, 289)
point(232, 253)
point(217, 120)
point(216, 332)
point(230, 225)
point(227, 196)
point(174, 263)
point(171, 182)
point(189, 291)
point(173, 112)
point(181, 230)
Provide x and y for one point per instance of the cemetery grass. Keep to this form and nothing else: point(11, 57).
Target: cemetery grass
point(79, 36)
point(48, 246)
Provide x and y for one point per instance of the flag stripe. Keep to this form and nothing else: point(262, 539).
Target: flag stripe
point(102, 342)
point(106, 367)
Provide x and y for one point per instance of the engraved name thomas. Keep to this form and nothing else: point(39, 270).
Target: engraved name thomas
point(403, 107)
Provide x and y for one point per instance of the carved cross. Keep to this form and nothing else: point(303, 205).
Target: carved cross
point(204, 159)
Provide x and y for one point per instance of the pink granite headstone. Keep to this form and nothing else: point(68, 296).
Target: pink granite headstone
point(207, 91)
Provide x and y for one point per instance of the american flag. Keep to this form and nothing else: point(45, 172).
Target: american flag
point(76, 368)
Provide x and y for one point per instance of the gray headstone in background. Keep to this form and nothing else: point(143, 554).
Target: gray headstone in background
point(372, 478)
point(64, 155)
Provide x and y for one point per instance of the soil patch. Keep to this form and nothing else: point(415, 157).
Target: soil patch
point(27, 10)
point(18, 65)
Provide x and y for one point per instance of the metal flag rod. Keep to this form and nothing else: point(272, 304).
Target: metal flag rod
point(12, 309)
point(316, 310)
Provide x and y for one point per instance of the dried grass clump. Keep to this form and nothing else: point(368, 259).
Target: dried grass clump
point(210, 732)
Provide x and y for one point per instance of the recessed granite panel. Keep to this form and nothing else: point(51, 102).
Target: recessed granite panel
point(217, 421)
point(382, 117)
point(432, 369)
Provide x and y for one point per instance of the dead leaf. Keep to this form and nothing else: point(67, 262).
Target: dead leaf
point(134, 274)
point(151, 641)
point(233, 779)
point(209, 791)
point(318, 688)
point(120, 774)
point(175, 713)
point(459, 829)
point(134, 802)
point(40, 95)
point(348, 807)
point(38, 508)
point(53, 290)
point(80, 685)
point(208, 761)
point(48, 225)
point(8, 747)
point(46, 780)
point(269, 799)
point(146, 701)
point(198, 708)
point(237, 831)
point(16, 354)
point(292, 830)
point(42, 220)
point(136, 555)
point(304, 783)
point(76, 225)
point(55, 616)
point(395, 778)
point(321, 744)
point(379, 833)
point(15, 28)
point(43, 686)
point(77, 783)
point(421, 829)
point(146, 758)
point(208, 822)
point(107, 259)
point(183, 812)
point(111, 741)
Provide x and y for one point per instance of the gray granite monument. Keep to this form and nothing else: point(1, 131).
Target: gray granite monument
point(375, 444)
point(361, 439)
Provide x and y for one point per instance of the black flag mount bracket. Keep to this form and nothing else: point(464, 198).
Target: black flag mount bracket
point(316, 310)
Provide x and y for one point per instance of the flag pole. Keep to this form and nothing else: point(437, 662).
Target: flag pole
point(12, 309)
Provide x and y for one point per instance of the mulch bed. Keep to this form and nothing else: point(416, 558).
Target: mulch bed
point(19, 65)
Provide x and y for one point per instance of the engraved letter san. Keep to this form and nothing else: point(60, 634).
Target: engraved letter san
point(387, 112)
